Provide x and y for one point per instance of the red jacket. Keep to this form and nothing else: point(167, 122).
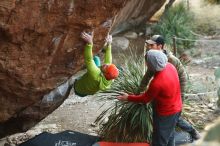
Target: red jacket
point(164, 90)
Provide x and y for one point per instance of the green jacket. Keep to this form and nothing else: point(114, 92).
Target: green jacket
point(93, 80)
point(179, 67)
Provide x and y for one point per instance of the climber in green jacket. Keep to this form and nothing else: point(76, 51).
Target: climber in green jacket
point(96, 78)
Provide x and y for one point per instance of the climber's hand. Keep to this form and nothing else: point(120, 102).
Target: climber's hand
point(88, 38)
point(123, 97)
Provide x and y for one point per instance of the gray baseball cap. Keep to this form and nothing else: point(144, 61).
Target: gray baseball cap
point(156, 60)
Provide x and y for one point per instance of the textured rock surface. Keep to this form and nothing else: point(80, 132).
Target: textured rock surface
point(120, 43)
point(136, 12)
point(40, 48)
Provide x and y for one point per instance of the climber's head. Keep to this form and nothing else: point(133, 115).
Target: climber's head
point(110, 71)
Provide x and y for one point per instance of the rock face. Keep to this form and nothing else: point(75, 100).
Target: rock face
point(40, 48)
point(136, 12)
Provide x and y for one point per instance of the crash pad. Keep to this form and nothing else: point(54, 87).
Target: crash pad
point(120, 144)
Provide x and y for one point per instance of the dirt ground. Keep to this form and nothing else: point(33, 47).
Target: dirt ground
point(79, 114)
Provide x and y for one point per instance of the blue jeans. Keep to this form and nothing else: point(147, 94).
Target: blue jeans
point(164, 126)
point(184, 125)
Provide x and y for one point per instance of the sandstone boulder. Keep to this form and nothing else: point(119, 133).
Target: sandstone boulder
point(40, 48)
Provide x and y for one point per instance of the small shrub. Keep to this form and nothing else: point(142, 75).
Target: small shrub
point(177, 21)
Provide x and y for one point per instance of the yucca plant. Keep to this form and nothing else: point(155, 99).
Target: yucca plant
point(127, 121)
point(177, 21)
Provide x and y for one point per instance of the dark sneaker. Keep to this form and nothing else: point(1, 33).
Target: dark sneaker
point(195, 134)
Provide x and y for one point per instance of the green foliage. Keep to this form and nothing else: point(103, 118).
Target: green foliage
point(177, 21)
point(127, 121)
point(130, 75)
